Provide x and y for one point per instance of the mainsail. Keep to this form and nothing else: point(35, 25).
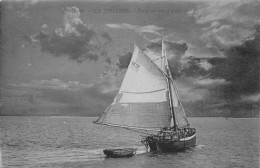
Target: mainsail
point(143, 100)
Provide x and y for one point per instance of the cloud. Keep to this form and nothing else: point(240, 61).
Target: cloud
point(225, 81)
point(110, 86)
point(58, 97)
point(231, 30)
point(235, 77)
point(106, 36)
point(207, 82)
point(124, 60)
point(217, 83)
point(76, 94)
point(151, 39)
point(231, 22)
point(116, 69)
point(239, 68)
point(253, 97)
point(21, 7)
point(105, 86)
point(139, 29)
point(56, 84)
point(233, 10)
point(174, 51)
point(75, 39)
point(189, 91)
point(194, 89)
point(32, 2)
point(225, 36)
point(205, 64)
point(199, 67)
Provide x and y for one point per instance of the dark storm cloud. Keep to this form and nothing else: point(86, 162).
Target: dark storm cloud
point(227, 80)
point(124, 60)
point(175, 51)
point(106, 36)
point(108, 60)
point(240, 68)
point(75, 39)
point(234, 34)
point(75, 47)
point(193, 68)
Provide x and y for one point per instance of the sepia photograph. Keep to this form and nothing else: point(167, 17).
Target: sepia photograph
point(129, 83)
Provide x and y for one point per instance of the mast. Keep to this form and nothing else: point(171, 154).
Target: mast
point(168, 78)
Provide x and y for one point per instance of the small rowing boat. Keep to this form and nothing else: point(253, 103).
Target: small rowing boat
point(116, 153)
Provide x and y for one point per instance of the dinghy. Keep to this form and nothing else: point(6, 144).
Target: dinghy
point(116, 153)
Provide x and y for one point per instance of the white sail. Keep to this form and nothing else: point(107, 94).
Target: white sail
point(148, 98)
point(143, 81)
point(157, 59)
point(142, 101)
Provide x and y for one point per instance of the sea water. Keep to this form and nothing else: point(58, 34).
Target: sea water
point(77, 142)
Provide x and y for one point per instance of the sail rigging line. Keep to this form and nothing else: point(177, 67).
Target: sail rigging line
point(138, 131)
point(170, 79)
point(169, 76)
point(170, 102)
point(174, 84)
point(178, 97)
point(171, 106)
point(139, 114)
point(129, 127)
point(144, 92)
point(177, 94)
point(174, 87)
point(103, 114)
point(157, 59)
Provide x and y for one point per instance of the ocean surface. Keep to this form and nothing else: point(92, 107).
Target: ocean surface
point(77, 142)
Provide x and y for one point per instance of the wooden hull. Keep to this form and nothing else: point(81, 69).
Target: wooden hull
point(116, 153)
point(165, 145)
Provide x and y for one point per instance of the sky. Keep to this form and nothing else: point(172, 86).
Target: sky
point(69, 57)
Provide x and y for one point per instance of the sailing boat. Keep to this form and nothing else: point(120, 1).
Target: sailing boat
point(148, 101)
